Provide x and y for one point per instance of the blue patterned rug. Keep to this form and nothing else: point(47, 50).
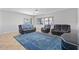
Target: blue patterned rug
point(39, 41)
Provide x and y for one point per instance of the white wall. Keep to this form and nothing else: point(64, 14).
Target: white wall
point(66, 16)
point(78, 28)
point(11, 20)
point(0, 21)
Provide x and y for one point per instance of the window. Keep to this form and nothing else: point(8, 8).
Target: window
point(42, 20)
point(45, 20)
point(39, 20)
point(51, 21)
point(28, 20)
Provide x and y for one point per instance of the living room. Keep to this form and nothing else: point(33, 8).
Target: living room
point(10, 18)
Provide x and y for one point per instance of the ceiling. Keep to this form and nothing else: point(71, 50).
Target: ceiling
point(30, 11)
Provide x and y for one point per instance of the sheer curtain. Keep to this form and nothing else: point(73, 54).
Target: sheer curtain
point(45, 21)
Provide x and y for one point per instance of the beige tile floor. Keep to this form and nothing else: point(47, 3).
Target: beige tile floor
point(8, 42)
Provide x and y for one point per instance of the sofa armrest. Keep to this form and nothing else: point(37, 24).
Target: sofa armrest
point(20, 27)
point(34, 28)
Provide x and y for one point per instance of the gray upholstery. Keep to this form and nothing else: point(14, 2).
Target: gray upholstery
point(26, 28)
point(62, 28)
point(59, 29)
point(46, 29)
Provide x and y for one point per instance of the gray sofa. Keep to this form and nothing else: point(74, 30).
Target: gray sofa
point(26, 28)
point(46, 28)
point(59, 29)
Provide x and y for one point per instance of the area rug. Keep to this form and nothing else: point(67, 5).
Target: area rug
point(39, 41)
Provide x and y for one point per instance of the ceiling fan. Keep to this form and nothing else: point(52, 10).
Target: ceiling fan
point(36, 12)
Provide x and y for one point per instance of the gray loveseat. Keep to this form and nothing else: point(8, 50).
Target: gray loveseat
point(59, 29)
point(26, 28)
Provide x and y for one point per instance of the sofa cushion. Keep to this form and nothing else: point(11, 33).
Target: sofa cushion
point(47, 26)
point(27, 26)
